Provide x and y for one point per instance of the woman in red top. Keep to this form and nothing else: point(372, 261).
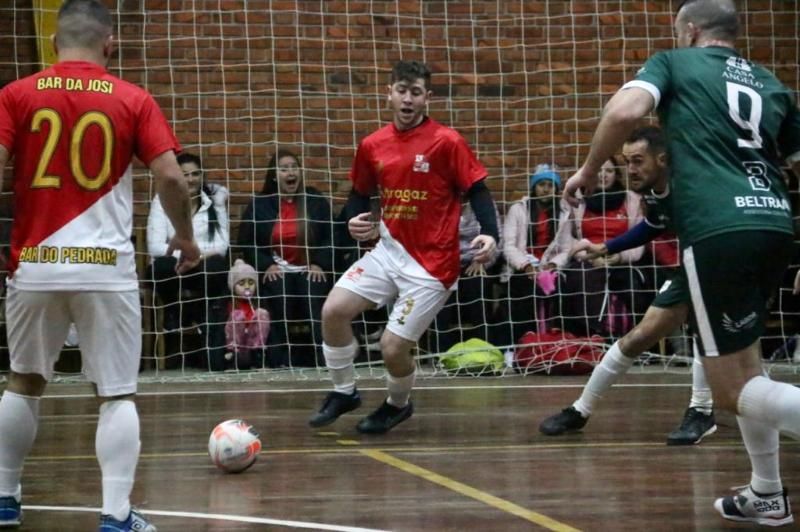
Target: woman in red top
point(286, 235)
point(587, 287)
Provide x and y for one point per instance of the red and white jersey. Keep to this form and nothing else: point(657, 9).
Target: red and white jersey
point(73, 130)
point(420, 175)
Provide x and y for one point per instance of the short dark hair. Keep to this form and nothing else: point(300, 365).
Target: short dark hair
point(83, 24)
point(718, 18)
point(411, 71)
point(186, 157)
point(656, 142)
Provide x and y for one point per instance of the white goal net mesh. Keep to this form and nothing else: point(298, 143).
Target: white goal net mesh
point(523, 82)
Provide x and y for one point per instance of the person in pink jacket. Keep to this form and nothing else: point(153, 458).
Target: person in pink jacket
point(247, 327)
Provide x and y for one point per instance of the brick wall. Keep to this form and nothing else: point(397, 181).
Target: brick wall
point(523, 81)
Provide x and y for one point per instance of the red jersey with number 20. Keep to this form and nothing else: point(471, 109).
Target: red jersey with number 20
point(73, 130)
point(420, 175)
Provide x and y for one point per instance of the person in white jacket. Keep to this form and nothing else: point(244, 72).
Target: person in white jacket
point(211, 228)
point(530, 226)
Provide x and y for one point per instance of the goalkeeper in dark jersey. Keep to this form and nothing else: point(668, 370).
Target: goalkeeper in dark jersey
point(646, 159)
point(728, 123)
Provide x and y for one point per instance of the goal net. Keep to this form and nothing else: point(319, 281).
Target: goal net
point(523, 82)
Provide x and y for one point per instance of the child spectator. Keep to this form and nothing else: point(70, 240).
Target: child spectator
point(247, 327)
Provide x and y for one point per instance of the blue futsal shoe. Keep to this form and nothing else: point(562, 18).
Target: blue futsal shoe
point(134, 523)
point(10, 512)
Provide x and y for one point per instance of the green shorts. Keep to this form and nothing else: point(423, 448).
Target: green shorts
point(673, 292)
point(730, 278)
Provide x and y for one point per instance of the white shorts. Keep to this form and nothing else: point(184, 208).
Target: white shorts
point(109, 328)
point(416, 304)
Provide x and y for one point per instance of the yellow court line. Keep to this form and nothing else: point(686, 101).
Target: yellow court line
point(469, 491)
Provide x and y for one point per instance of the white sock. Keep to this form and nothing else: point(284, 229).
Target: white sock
point(701, 392)
point(400, 389)
point(19, 419)
point(776, 404)
point(339, 361)
point(613, 366)
point(762, 443)
point(117, 447)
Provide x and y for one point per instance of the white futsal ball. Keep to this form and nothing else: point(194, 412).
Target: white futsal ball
point(234, 445)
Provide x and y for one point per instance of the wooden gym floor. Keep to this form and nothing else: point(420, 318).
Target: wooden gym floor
point(471, 458)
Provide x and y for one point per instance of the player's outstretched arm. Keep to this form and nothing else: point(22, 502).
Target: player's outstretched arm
point(584, 250)
point(620, 116)
point(173, 193)
point(638, 235)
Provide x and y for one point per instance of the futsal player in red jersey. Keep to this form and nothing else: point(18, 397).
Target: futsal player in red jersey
point(73, 130)
point(420, 170)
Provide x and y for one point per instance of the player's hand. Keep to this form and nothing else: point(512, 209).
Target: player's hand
point(531, 271)
point(363, 228)
point(315, 274)
point(273, 273)
point(485, 245)
point(586, 250)
point(796, 283)
point(580, 181)
point(190, 255)
point(475, 268)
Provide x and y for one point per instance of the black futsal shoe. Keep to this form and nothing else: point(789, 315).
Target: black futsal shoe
point(384, 418)
point(335, 405)
point(568, 420)
point(695, 426)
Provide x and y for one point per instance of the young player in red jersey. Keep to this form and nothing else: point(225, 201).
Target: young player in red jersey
point(420, 169)
point(73, 130)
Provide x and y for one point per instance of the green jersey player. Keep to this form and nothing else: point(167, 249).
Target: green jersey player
point(728, 123)
point(645, 157)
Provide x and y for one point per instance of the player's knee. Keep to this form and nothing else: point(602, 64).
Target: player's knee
point(637, 340)
point(393, 349)
point(332, 312)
